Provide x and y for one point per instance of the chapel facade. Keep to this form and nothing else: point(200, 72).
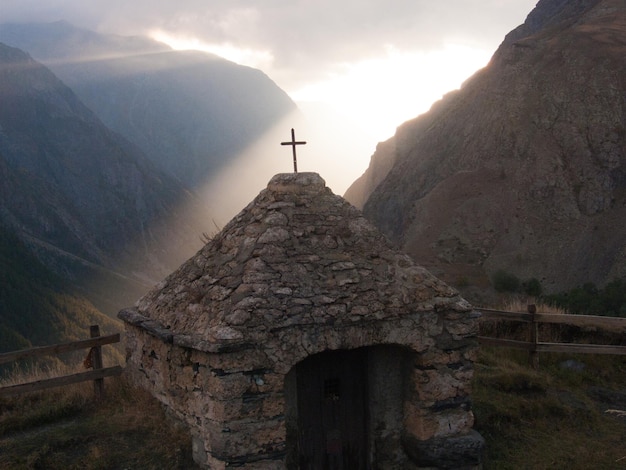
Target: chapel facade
point(299, 338)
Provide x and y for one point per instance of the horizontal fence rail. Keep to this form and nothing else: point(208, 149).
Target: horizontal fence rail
point(614, 324)
point(94, 360)
point(55, 349)
point(61, 381)
point(534, 346)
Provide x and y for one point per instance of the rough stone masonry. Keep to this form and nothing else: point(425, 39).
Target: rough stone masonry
point(298, 337)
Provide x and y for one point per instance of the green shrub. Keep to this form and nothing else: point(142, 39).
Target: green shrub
point(591, 300)
point(505, 282)
point(532, 287)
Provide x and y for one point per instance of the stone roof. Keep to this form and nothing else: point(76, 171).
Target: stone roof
point(297, 256)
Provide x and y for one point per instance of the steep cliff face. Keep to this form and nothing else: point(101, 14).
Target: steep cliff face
point(524, 168)
point(190, 112)
point(78, 193)
point(380, 164)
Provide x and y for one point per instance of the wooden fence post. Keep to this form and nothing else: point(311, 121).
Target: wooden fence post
point(98, 384)
point(533, 338)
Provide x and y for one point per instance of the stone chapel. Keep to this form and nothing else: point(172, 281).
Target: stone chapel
point(299, 338)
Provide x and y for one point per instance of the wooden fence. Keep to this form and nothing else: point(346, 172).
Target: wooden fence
point(94, 361)
point(534, 346)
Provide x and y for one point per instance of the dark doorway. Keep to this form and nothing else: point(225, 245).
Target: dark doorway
point(332, 423)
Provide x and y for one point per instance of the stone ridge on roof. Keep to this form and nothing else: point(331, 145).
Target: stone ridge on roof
point(297, 255)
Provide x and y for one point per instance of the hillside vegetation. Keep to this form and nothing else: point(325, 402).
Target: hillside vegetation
point(36, 306)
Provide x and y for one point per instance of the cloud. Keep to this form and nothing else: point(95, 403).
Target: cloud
point(306, 38)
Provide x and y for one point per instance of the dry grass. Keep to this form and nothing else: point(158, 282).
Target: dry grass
point(47, 366)
point(555, 417)
point(32, 372)
point(64, 428)
point(518, 305)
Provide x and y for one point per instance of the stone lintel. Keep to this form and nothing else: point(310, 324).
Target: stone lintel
point(197, 342)
point(153, 328)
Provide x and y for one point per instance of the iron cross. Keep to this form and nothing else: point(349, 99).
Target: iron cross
point(293, 144)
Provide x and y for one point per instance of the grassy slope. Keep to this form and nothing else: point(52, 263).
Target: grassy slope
point(552, 418)
point(65, 429)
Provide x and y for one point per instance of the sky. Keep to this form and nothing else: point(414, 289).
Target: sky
point(356, 68)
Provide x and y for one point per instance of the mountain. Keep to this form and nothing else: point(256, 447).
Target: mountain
point(36, 306)
point(190, 112)
point(86, 200)
point(522, 170)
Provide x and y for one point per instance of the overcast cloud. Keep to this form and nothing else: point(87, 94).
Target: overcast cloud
point(305, 38)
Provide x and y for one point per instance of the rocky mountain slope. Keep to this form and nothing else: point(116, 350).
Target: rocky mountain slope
point(524, 168)
point(84, 198)
point(190, 112)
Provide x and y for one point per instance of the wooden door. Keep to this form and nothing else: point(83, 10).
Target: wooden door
point(332, 411)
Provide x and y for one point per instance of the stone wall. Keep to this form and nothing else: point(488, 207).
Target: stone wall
point(234, 402)
point(233, 405)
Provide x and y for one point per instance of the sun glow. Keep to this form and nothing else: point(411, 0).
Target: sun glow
point(382, 93)
point(260, 59)
point(360, 103)
point(341, 118)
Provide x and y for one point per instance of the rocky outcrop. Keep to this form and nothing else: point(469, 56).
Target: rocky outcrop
point(380, 165)
point(524, 168)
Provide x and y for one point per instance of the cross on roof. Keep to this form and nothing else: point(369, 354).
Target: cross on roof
point(293, 144)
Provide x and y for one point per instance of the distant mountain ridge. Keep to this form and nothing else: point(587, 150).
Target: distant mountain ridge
point(190, 112)
point(524, 168)
point(81, 196)
point(101, 151)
